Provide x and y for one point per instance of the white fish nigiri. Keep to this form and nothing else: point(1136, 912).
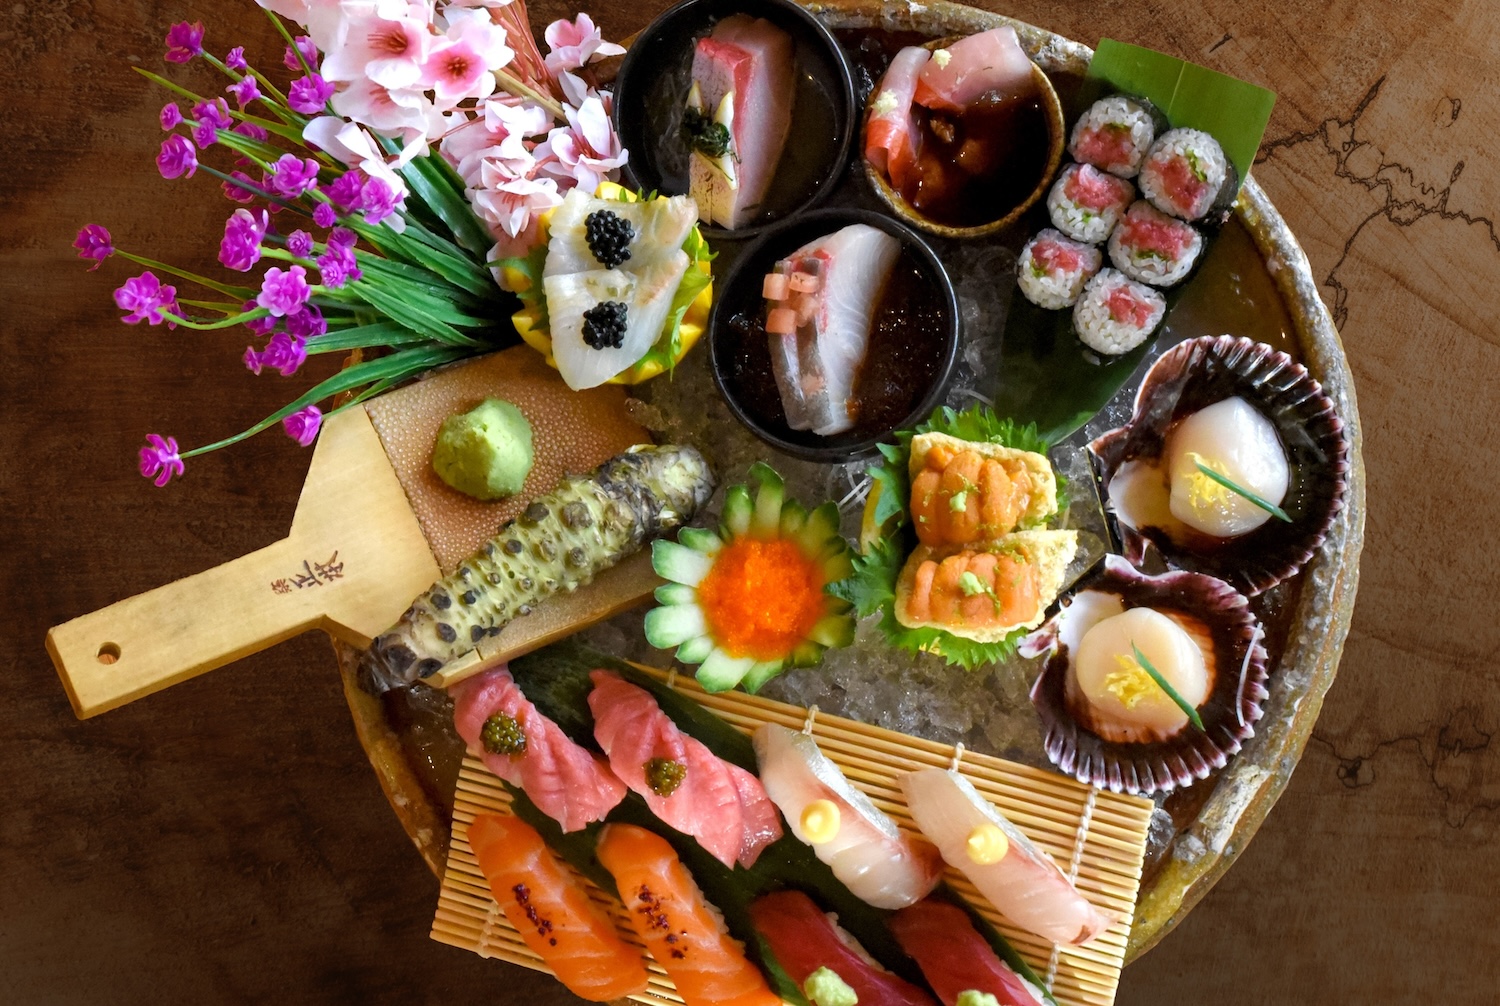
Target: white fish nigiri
point(1019, 879)
point(879, 863)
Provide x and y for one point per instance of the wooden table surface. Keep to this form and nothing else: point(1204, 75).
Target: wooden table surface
point(226, 841)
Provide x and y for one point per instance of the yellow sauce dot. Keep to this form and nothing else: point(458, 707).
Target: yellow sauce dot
point(987, 844)
point(820, 821)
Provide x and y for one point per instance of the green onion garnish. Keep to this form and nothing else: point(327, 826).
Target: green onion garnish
point(1239, 490)
point(1182, 703)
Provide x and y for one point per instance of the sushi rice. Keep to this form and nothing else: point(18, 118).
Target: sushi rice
point(1113, 134)
point(1115, 314)
point(1089, 223)
point(1151, 247)
point(1184, 173)
point(1052, 269)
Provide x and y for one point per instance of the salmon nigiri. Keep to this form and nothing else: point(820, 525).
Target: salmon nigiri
point(681, 930)
point(955, 958)
point(684, 783)
point(553, 913)
point(569, 784)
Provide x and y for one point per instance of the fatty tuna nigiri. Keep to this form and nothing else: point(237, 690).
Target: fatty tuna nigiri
point(569, 784)
point(803, 939)
point(989, 61)
point(892, 135)
point(1019, 879)
point(684, 783)
point(879, 863)
point(681, 930)
point(553, 913)
point(954, 957)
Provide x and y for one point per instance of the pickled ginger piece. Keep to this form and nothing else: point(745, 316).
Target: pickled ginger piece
point(1023, 882)
point(568, 783)
point(685, 784)
point(985, 592)
point(989, 61)
point(881, 865)
point(892, 136)
point(585, 360)
point(955, 958)
point(817, 382)
point(751, 60)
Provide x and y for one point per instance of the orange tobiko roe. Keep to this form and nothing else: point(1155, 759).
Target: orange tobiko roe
point(761, 598)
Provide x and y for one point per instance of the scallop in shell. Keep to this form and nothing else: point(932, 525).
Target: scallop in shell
point(1084, 738)
point(1186, 380)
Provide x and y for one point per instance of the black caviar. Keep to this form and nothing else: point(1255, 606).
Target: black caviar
point(503, 735)
point(604, 325)
point(609, 236)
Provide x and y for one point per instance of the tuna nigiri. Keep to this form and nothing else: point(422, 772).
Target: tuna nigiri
point(876, 860)
point(954, 957)
point(803, 939)
point(553, 913)
point(817, 358)
point(681, 930)
point(989, 61)
point(892, 134)
point(569, 784)
point(686, 785)
point(1019, 879)
point(739, 114)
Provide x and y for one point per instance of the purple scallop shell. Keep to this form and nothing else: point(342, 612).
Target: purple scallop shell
point(1229, 714)
point(1194, 375)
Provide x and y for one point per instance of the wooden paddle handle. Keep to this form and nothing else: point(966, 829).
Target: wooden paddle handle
point(145, 643)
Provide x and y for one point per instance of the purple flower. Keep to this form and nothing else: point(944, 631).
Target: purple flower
point(177, 157)
point(308, 50)
point(251, 130)
point(235, 59)
point(94, 242)
point(284, 354)
point(159, 458)
point(243, 232)
point(252, 360)
point(211, 116)
point(144, 298)
point(284, 292)
point(235, 192)
point(260, 326)
point(338, 265)
point(184, 41)
point(299, 243)
point(302, 425)
point(171, 116)
point(245, 90)
point(377, 200)
point(309, 94)
point(306, 324)
point(345, 190)
point(291, 176)
point(343, 237)
point(325, 215)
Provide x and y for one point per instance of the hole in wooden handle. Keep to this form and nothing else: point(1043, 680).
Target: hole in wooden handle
point(109, 653)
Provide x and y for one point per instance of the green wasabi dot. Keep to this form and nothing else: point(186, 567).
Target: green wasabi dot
point(485, 452)
point(825, 988)
point(973, 997)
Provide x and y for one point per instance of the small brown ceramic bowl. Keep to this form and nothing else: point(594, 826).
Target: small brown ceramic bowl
point(1057, 140)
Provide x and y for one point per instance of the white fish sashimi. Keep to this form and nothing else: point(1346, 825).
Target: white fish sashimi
point(647, 296)
point(879, 863)
point(853, 264)
point(1025, 884)
point(660, 226)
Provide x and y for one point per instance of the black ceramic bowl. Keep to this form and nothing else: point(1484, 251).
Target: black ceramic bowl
point(651, 90)
point(913, 344)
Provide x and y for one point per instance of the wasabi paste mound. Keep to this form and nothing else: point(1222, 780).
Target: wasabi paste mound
point(485, 452)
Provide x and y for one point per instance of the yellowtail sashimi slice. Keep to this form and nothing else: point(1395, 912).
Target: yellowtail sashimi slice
point(1019, 879)
point(647, 297)
point(879, 863)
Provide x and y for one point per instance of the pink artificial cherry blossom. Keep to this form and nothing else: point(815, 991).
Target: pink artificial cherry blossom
point(571, 44)
point(388, 51)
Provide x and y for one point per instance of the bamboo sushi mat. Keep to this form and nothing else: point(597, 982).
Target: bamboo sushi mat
point(1097, 837)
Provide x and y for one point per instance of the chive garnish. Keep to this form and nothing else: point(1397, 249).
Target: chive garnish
point(1182, 703)
point(1239, 490)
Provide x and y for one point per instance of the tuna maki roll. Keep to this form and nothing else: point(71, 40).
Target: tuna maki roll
point(1116, 314)
point(1151, 247)
point(1114, 135)
point(1086, 203)
point(1184, 173)
point(1053, 269)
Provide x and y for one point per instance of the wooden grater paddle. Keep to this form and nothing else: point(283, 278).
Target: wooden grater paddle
point(374, 527)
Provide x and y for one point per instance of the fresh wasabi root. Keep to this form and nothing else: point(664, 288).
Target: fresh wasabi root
point(557, 545)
